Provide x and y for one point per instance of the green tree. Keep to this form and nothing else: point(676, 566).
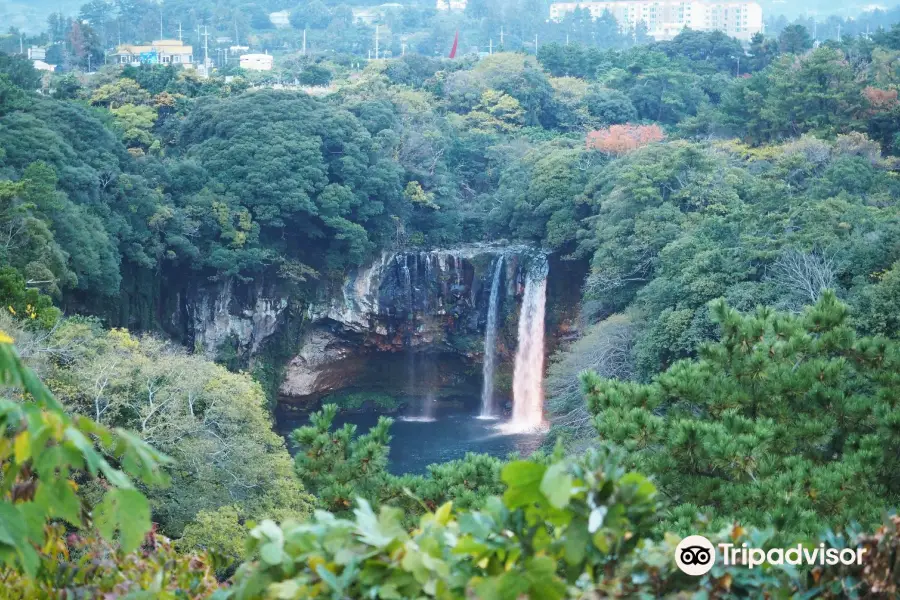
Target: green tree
point(313, 14)
point(818, 92)
point(338, 466)
point(12, 97)
point(20, 71)
point(610, 107)
point(315, 75)
point(794, 39)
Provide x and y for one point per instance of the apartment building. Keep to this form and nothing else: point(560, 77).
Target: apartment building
point(666, 18)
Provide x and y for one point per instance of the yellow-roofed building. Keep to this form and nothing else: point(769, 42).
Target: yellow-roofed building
point(159, 52)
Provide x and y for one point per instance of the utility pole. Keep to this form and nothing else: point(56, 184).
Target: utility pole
point(376, 41)
point(205, 35)
point(402, 48)
point(304, 40)
point(491, 46)
point(501, 36)
point(206, 45)
point(567, 39)
point(738, 73)
point(21, 43)
point(179, 32)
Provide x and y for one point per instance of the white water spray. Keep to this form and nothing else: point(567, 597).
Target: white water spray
point(490, 342)
point(528, 377)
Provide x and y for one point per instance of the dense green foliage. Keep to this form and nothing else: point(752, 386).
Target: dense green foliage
point(214, 425)
point(573, 529)
point(45, 452)
point(787, 421)
point(544, 519)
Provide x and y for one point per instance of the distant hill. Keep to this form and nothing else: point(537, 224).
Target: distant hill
point(31, 15)
point(821, 9)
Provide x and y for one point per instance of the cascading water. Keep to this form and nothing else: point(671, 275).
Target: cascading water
point(411, 389)
point(407, 284)
point(528, 376)
point(490, 342)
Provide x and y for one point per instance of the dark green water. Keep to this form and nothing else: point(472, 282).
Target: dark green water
point(454, 431)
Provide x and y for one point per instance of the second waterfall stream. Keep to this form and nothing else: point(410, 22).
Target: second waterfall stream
point(490, 342)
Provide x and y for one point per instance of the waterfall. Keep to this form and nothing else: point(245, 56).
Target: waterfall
point(407, 285)
point(425, 257)
point(490, 341)
point(528, 391)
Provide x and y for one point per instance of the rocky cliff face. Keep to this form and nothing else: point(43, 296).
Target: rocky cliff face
point(220, 318)
point(432, 303)
point(410, 299)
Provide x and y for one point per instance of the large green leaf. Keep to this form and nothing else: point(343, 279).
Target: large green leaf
point(523, 479)
point(126, 511)
point(556, 485)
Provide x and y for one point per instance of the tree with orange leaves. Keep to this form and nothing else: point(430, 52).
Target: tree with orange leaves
point(622, 139)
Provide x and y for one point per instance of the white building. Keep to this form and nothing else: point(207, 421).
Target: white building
point(43, 66)
point(257, 62)
point(667, 18)
point(281, 19)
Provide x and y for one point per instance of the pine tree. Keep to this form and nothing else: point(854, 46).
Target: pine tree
point(788, 420)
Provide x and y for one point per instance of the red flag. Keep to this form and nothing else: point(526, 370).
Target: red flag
point(455, 44)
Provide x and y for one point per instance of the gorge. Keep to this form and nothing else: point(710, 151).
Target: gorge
point(435, 338)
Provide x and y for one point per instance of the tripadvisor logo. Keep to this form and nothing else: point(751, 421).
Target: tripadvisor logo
point(696, 555)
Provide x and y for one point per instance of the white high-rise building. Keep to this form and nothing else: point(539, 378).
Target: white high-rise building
point(666, 18)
